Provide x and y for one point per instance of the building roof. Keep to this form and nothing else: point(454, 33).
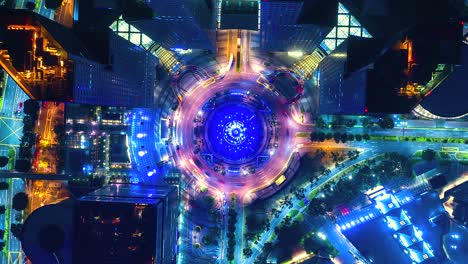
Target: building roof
point(384, 18)
point(408, 236)
point(386, 203)
point(83, 44)
point(397, 219)
point(40, 219)
point(318, 260)
point(448, 99)
point(424, 167)
point(317, 12)
point(115, 232)
point(460, 193)
point(420, 251)
point(132, 190)
point(438, 181)
point(64, 36)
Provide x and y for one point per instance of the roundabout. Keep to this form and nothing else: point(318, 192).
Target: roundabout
point(235, 130)
point(233, 134)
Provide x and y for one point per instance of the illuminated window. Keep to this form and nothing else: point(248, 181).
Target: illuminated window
point(347, 26)
point(131, 33)
point(135, 36)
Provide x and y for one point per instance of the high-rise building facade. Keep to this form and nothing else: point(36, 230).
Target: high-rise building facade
point(128, 79)
point(126, 224)
point(183, 24)
point(364, 75)
point(55, 63)
point(239, 14)
point(285, 25)
point(119, 223)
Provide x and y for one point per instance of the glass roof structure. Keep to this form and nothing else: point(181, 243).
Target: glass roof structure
point(131, 33)
point(140, 39)
point(347, 26)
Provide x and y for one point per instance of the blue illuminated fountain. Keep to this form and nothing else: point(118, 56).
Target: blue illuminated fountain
point(235, 127)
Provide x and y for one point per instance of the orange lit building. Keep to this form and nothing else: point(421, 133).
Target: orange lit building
point(52, 62)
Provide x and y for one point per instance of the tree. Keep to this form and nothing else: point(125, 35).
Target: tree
point(358, 137)
point(31, 107)
point(17, 230)
point(30, 6)
point(337, 137)
point(367, 122)
point(28, 123)
point(386, 122)
point(20, 201)
point(23, 165)
point(207, 240)
point(210, 201)
point(321, 136)
point(10, 4)
point(3, 161)
point(4, 185)
point(320, 123)
point(337, 122)
point(428, 154)
point(344, 137)
point(350, 122)
point(319, 246)
point(247, 252)
point(289, 237)
point(315, 208)
point(59, 130)
point(314, 136)
point(53, 4)
point(366, 136)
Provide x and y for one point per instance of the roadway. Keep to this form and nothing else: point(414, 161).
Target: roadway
point(40, 8)
point(416, 128)
point(49, 115)
point(307, 189)
point(189, 108)
point(238, 249)
point(372, 148)
point(199, 90)
point(14, 245)
point(11, 131)
point(11, 120)
point(4, 200)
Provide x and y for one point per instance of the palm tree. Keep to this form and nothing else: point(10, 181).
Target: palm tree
point(3, 161)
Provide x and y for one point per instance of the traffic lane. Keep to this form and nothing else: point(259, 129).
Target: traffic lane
point(338, 241)
point(276, 221)
point(390, 146)
point(194, 104)
point(11, 131)
point(397, 131)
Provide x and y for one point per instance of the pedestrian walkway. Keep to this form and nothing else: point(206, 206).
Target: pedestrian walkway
point(357, 217)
